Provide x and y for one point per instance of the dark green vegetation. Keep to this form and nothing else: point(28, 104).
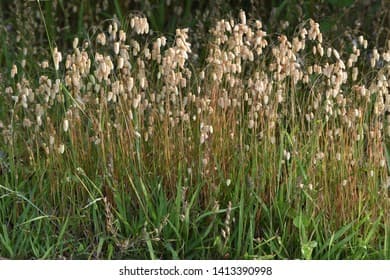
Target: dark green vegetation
point(242, 145)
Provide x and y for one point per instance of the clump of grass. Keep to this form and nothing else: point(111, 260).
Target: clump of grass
point(126, 146)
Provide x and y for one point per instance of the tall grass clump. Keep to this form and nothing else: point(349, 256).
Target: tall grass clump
point(130, 145)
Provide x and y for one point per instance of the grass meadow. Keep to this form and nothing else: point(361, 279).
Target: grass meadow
point(220, 142)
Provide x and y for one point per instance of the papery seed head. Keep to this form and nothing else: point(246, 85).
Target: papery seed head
point(14, 71)
point(361, 40)
point(365, 44)
point(122, 35)
point(61, 148)
point(51, 140)
point(66, 125)
point(251, 124)
point(101, 39)
point(121, 62)
point(328, 52)
point(75, 42)
point(116, 47)
point(242, 17)
point(336, 54)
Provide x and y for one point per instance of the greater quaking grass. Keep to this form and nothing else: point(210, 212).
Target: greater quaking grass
point(128, 146)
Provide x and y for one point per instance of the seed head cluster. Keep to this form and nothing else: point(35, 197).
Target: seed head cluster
point(252, 97)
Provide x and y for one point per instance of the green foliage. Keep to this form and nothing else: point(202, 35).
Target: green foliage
point(341, 3)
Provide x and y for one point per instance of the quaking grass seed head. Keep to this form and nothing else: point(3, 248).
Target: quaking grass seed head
point(66, 125)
